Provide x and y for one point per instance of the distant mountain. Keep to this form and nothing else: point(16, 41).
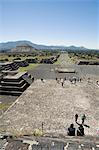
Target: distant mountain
point(6, 47)
point(9, 45)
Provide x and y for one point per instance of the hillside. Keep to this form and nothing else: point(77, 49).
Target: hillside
point(7, 46)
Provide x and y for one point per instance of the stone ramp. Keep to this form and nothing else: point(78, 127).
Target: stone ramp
point(55, 106)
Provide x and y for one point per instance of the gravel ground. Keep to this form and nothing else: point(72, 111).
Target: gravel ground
point(54, 105)
point(47, 71)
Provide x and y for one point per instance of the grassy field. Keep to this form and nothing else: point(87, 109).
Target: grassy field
point(31, 66)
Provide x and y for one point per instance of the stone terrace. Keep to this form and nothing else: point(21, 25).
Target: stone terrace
point(55, 106)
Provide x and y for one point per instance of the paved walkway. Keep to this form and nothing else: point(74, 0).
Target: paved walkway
point(65, 61)
point(47, 71)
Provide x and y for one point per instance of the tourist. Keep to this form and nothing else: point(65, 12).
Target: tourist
point(71, 130)
point(42, 80)
point(30, 75)
point(97, 82)
point(74, 80)
point(56, 79)
point(65, 79)
point(83, 118)
point(80, 130)
point(62, 84)
point(33, 79)
point(76, 117)
point(70, 80)
point(80, 79)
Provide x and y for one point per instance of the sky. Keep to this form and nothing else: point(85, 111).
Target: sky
point(51, 22)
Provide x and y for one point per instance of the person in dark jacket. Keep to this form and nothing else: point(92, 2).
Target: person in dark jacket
point(71, 130)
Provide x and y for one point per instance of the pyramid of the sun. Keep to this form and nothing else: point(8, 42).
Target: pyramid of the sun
point(55, 106)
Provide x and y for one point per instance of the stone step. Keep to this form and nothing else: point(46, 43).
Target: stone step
point(14, 88)
point(14, 93)
point(74, 146)
point(7, 67)
point(12, 79)
point(19, 84)
point(40, 143)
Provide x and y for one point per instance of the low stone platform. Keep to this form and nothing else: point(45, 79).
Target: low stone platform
point(8, 66)
point(16, 76)
point(65, 70)
point(49, 103)
point(15, 84)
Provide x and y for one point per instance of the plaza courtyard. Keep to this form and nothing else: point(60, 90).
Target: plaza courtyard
point(49, 103)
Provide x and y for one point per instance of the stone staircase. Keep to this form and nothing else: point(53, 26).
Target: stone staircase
point(13, 65)
point(62, 143)
point(46, 143)
point(21, 63)
point(15, 84)
point(9, 66)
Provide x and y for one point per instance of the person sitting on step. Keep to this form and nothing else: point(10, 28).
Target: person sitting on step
point(71, 130)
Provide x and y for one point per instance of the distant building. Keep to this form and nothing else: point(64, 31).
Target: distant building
point(23, 48)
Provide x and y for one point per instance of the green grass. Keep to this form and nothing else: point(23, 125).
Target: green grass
point(57, 62)
point(31, 66)
point(4, 106)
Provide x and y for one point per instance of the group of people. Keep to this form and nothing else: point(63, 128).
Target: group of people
point(73, 80)
point(61, 80)
point(80, 131)
point(42, 80)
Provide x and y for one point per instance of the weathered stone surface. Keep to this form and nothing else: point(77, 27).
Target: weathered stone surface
point(55, 106)
point(46, 143)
